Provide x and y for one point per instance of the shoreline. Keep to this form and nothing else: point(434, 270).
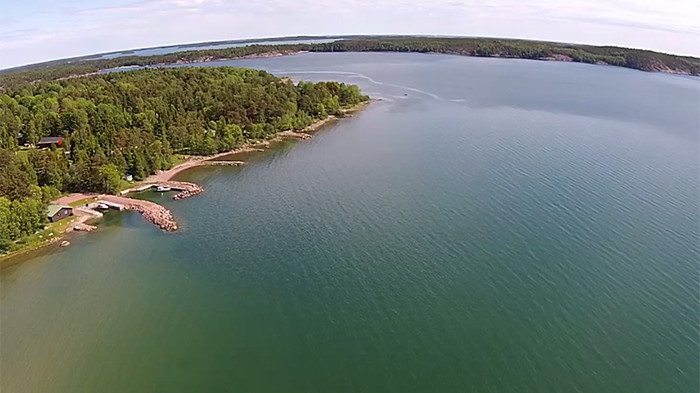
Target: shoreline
point(153, 212)
point(555, 58)
point(249, 147)
point(203, 59)
point(209, 59)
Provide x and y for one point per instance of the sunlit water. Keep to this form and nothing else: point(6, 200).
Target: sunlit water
point(490, 225)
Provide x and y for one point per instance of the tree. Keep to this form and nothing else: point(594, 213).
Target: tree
point(9, 229)
point(109, 178)
point(51, 167)
point(14, 182)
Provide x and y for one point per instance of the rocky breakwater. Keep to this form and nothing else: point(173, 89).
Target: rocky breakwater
point(152, 212)
point(156, 214)
point(186, 189)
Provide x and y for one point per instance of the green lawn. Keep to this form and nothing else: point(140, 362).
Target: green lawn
point(82, 202)
point(180, 158)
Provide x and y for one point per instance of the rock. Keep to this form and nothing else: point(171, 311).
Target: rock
point(84, 227)
point(155, 213)
point(188, 190)
point(294, 134)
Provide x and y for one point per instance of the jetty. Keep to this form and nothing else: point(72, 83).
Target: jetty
point(151, 211)
point(186, 189)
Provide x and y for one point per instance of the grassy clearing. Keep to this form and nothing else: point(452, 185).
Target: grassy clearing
point(82, 202)
point(180, 158)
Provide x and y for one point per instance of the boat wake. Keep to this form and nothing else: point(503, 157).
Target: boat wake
point(365, 77)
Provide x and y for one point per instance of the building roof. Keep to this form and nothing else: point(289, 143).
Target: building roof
point(51, 139)
point(51, 210)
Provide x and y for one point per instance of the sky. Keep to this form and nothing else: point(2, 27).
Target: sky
point(38, 30)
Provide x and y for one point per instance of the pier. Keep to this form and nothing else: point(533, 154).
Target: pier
point(111, 205)
point(185, 189)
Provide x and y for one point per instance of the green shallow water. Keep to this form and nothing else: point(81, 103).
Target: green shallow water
point(490, 226)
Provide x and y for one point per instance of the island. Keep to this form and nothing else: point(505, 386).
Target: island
point(110, 134)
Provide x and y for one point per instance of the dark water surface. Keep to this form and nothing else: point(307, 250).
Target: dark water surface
point(489, 226)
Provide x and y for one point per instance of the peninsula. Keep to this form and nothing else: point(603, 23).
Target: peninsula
point(111, 130)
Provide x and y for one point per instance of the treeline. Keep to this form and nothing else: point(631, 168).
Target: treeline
point(484, 47)
point(487, 47)
point(132, 123)
point(59, 69)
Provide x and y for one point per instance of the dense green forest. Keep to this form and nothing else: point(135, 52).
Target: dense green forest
point(483, 47)
point(132, 123)
point(486, 47)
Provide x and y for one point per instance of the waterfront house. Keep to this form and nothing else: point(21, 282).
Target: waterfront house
point(58, 212)
point(50, 141)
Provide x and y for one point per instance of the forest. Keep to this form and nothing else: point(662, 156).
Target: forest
point(482, 47)
point(132, 122)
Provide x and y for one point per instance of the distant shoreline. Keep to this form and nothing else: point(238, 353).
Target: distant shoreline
point(212, 59)
point(639, 59)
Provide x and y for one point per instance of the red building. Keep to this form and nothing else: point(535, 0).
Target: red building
point(50, 141)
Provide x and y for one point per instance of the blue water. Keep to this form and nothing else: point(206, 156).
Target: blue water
point(488, 225)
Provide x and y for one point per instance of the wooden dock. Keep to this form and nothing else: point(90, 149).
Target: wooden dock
point(89, 210)
point(113, 205)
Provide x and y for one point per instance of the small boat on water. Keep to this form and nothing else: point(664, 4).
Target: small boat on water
point(163, 188)
point(102, 206)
